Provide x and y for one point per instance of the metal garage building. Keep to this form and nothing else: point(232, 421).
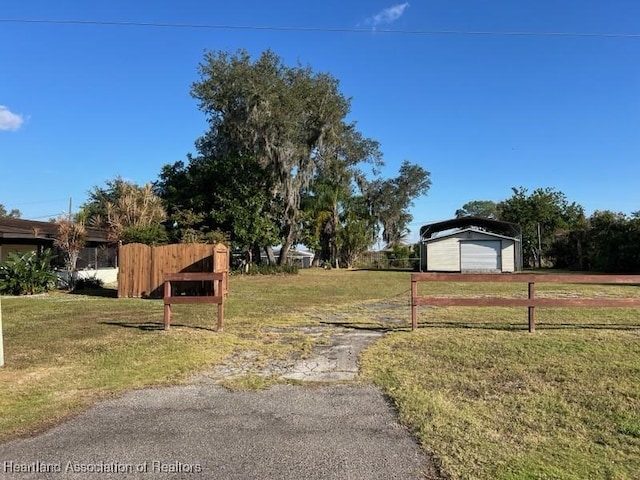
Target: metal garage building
point(471, 244)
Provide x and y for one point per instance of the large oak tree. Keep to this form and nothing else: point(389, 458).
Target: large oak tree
point(290, 120)
point(281, 164)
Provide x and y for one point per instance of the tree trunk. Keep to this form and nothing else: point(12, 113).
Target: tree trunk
point(255, 252)
point(72, 268)
point(271, 258)
point(284, 251)
point(335, 220)
point(579, 252)
point(248, 260)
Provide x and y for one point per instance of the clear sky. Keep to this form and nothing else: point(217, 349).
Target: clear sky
point(80, 104)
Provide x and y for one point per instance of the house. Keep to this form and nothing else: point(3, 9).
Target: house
point(22, 236)
point(471, 244)
point(301, 258)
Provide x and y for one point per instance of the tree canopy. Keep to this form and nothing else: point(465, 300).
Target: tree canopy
point(130, 213)
point(556, 232)
point(390, 200)
point(478, 208)
point(541, 214)
point(281, 164)
point(13, 213)
point(288, 119)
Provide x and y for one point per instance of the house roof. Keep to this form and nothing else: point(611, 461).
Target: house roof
point(293, 253)
point(18, 228)
point(508, 229)
point(471, 229)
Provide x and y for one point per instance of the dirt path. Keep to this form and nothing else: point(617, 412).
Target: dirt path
point(339, 341)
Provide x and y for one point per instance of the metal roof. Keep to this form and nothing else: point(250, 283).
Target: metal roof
point(508, 229)
point(470, 229)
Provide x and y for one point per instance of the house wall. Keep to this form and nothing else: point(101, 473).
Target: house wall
point(108, 275)
point(300, 258)
point(508, 256)
point(443, 255)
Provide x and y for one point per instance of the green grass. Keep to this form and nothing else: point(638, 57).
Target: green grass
point(64, 351)
point(482, 395)
point(490, 400)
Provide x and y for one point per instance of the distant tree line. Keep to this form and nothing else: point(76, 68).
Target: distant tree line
point(13, 213)
point(556, 233)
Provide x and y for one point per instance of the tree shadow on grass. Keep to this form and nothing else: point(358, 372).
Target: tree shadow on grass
point(385, 269)
point(154, 326)
point(373, 327)
point(524, 327)
point(505, 327)
point(588, 326)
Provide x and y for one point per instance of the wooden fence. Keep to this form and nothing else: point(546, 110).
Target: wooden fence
point(531, 302)
point(142, 268)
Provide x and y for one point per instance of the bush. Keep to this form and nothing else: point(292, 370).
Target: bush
point(88, 283)
point(154, 234)
point(27, 274)
point(272, 270)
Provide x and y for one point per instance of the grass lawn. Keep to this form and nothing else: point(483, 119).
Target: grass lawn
point(486, 398)
point(64, 351)
point(492, 401)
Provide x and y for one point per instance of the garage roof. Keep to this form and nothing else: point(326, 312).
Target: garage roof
point(470, 229)
point(507, 229)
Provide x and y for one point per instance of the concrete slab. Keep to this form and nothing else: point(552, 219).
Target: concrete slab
point(337, 361)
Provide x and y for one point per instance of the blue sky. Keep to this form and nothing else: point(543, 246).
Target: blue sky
point(80, 104)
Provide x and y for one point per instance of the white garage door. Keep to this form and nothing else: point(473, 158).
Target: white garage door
point(480, 255)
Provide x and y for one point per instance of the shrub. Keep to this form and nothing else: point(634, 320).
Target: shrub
point(154, 234)
point(27, 274)
point(88, 283)
point(272, 269)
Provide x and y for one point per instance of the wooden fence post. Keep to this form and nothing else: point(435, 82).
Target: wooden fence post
point(532, 313)
point(414, 308)
point(167, 307)
point(221, 294)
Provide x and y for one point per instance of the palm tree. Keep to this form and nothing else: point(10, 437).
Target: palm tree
point(323, 207)
point(124, 207)
point(70, 238)
point(137, 208)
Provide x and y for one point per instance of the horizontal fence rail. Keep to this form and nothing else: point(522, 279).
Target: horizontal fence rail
point(531, 302)
point(218, 293)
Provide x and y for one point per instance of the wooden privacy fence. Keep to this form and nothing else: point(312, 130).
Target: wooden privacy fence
point(142, 268)
point(531, 302)
point(217, 293)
